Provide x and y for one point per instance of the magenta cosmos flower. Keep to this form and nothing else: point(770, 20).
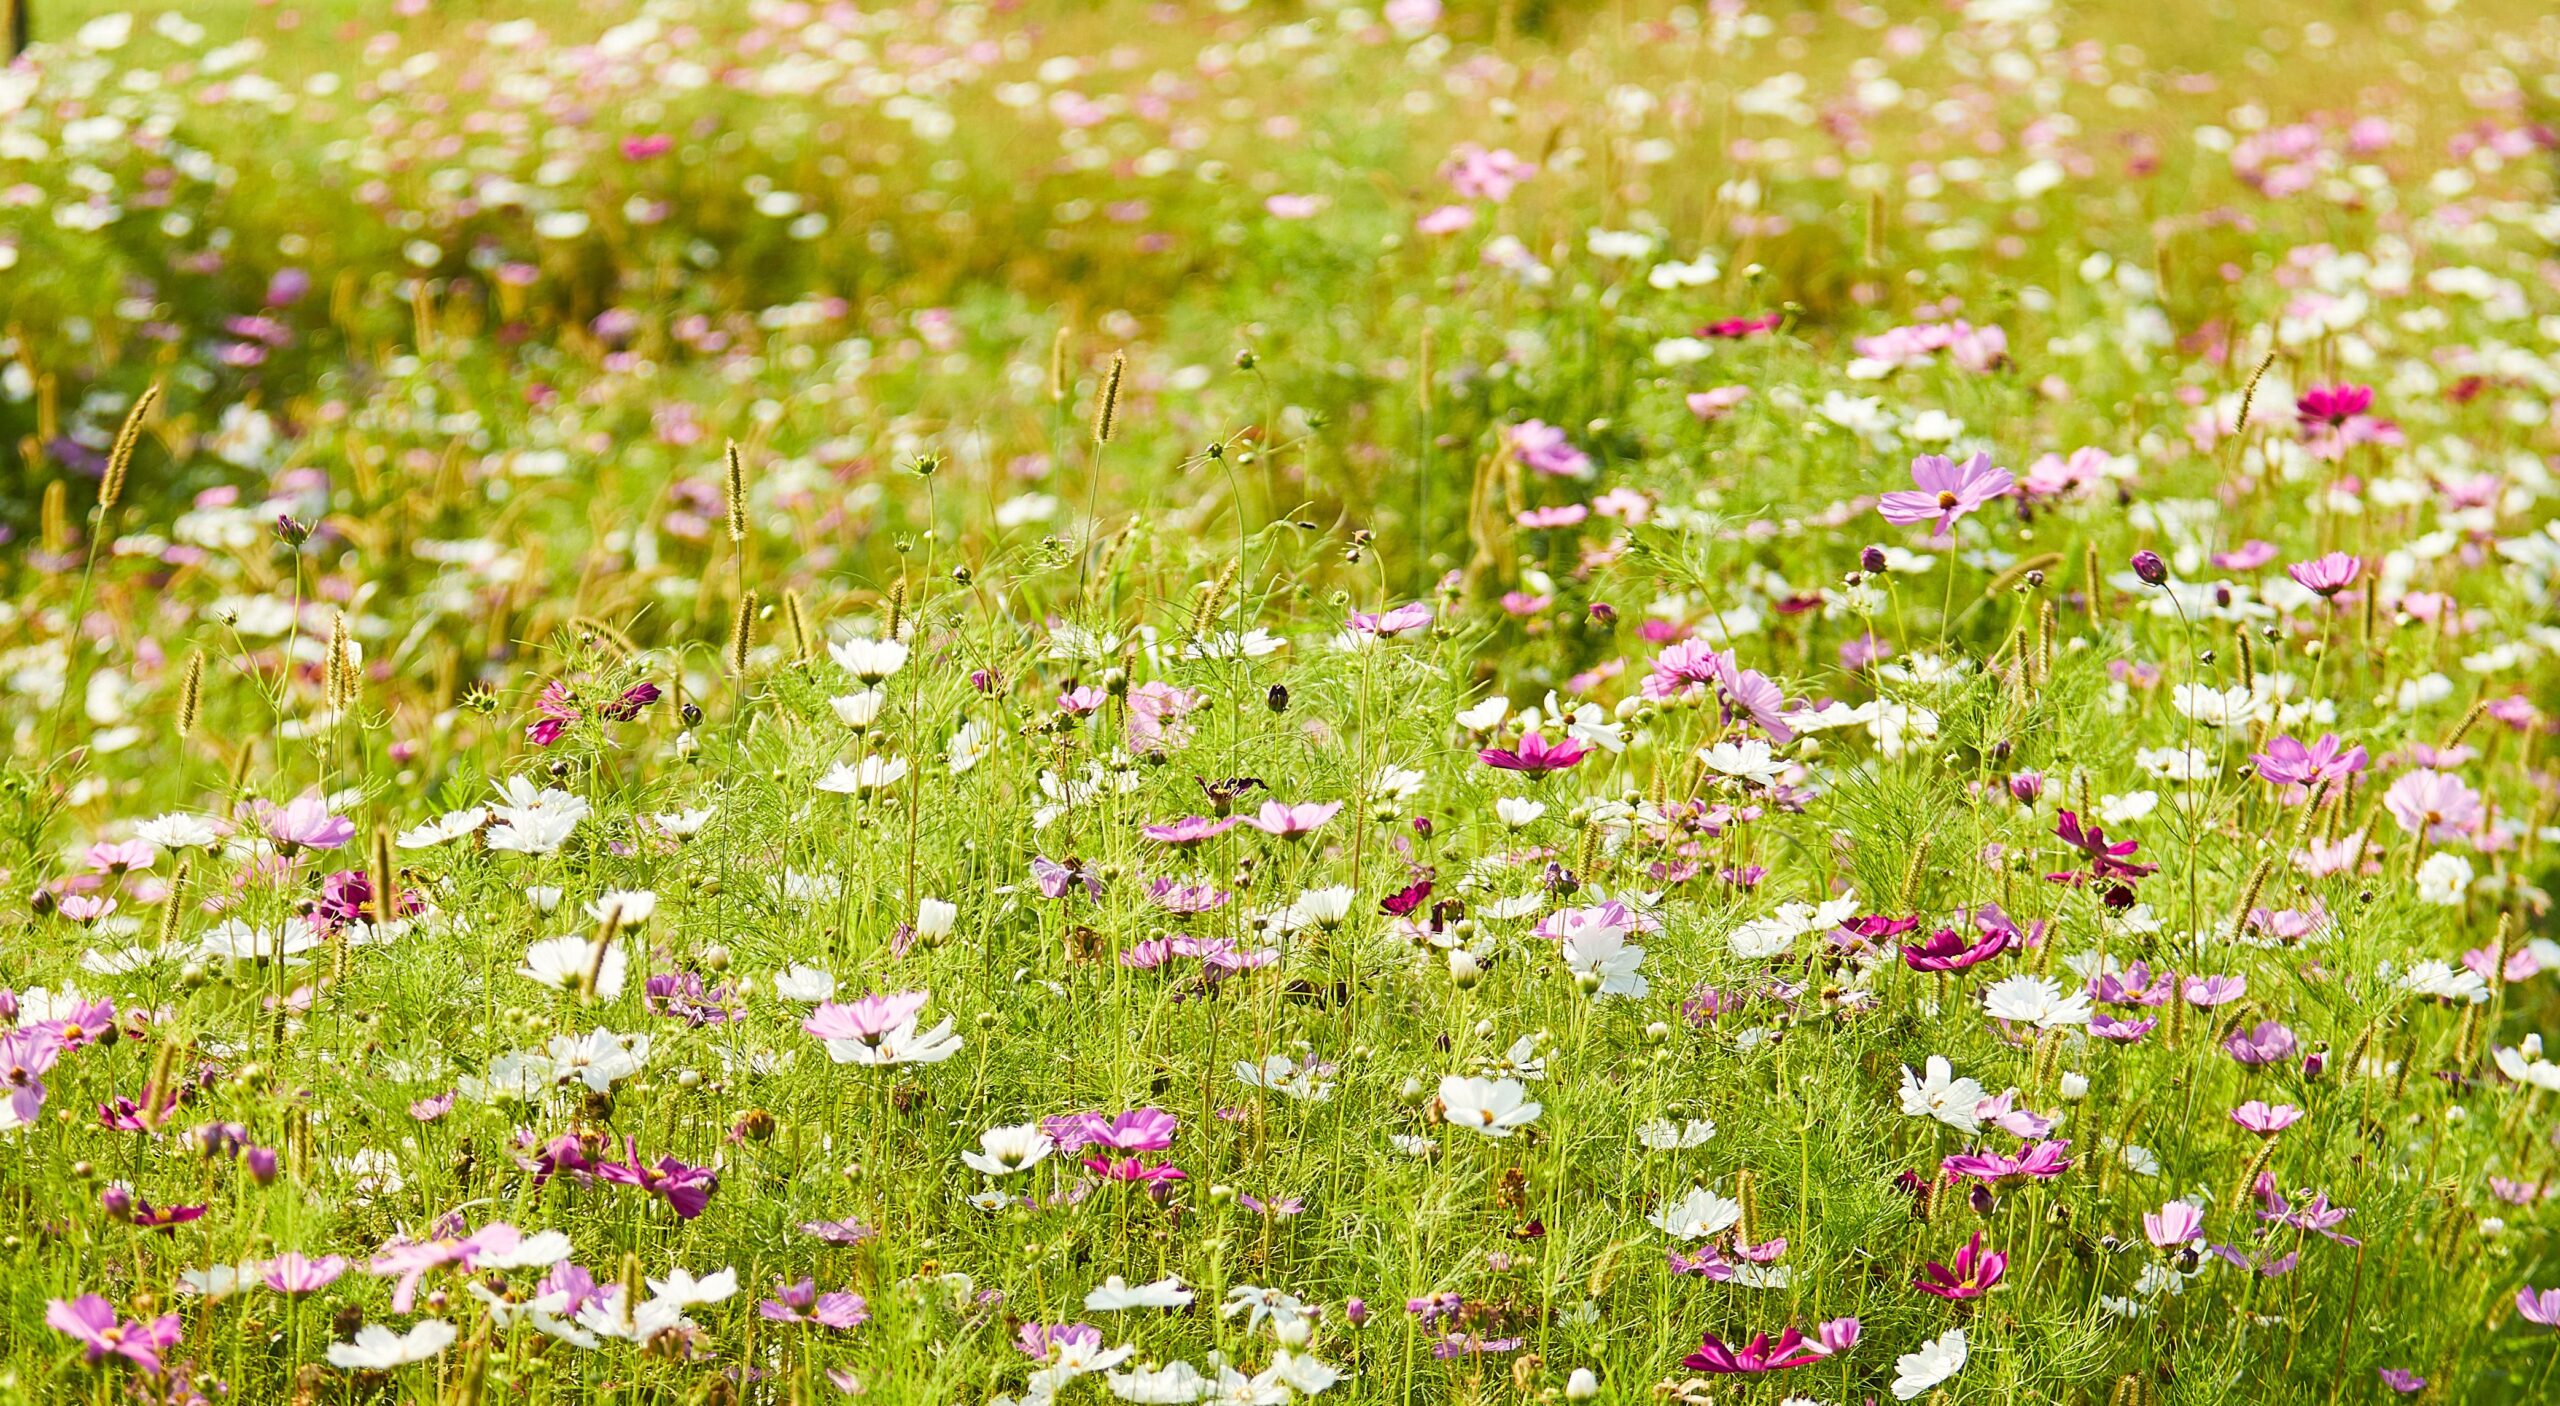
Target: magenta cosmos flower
point(1972, 1275)
point(686, 1190)
point(1535, 753)
point(1945, 492)
point(1948, 951)
point(2035, 1161)
point(1761, 1354)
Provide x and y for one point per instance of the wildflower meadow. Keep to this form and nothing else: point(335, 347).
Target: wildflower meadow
point(1007, 702)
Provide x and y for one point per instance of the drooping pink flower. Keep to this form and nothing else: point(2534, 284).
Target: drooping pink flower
point(2176, 1223)
point(2264, 1119)
point(1291, 821)
point(2325, 576)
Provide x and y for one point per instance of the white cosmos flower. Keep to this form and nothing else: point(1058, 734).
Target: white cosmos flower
point(801, 982)
point(861, 709)
point(626, 908)
point(1492, 1107)
point(1282, 1075)
point(1748, 760)
point(1605, 963)
point(540, 1313)
point(600, 1059)
point(1171, 1385)
point(1664, 1135)
point(872, 773)
point(682, 824)
point(1115, 1294)
point(868, 660)
point(935, 918)
point(1518, 812)
point(572, 963)
point(1941, 1095)
point(2037, 1001)
point(1696, 1216)
point(378, 1349)
point(179, 830)
point(1937, 1359)
point(685, 1291)
point(1009, 1149)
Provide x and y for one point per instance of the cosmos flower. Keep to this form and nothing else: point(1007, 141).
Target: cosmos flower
point(1944, 492)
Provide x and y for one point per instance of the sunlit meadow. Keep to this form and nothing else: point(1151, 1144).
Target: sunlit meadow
point(982, 704)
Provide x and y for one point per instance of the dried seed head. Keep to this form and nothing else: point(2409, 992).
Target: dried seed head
point(1106, 407)
point(742, 633)
point(191, 694)
point(737, 478)
point(120, 457)
point(1058, 366)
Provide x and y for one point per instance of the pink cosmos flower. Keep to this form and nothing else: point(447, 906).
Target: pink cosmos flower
point(92, 1320)
point(1946, 492)
point(2287, 762)
point(802, 1303)
point(2266, 1120)
point(868, 1020)
point(687, 1190)
point(2434, 803)
point(2267, 1042)
point(1291, 821)
point(2175, 1223)
point(1191, 829)
point(2327, 575)
point(1404, 619)
point(1543, 447)
point(2333, 420)
point(2539, 1306)
point(2210, 991)
point(1948, 951)
point(305, 823)
point(1479, 174)
point(294, 1274)
point(1715, 404)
